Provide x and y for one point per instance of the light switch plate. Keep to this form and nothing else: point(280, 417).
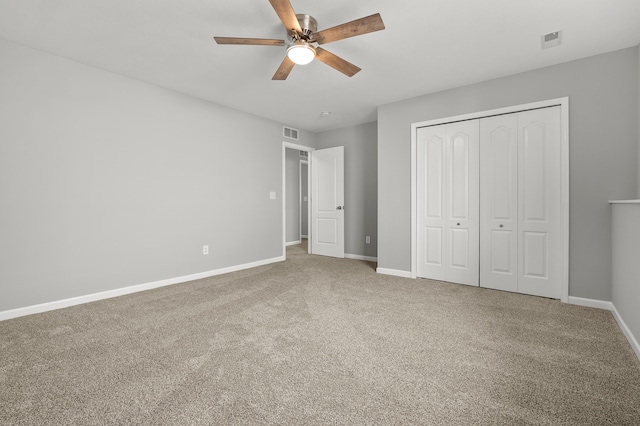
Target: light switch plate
point(272, 195)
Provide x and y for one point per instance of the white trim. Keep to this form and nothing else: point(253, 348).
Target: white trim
point(564, 184)
point(298, 147)
point(394, 272)
point(65, 303)
point(590, 303)
point(564, 197)
point(293, 243)
point(624, 202)
point(360, 257)
point(627, 332)
point(300, 200)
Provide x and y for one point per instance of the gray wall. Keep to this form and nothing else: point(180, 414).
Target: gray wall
point(292, 188)
point(107, 182)
point(626, 268)
point(361, 184)
point(603, 92)
point(638, 124)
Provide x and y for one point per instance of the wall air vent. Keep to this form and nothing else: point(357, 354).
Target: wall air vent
point(551, 39)
point(290, 133)
point(304, 154)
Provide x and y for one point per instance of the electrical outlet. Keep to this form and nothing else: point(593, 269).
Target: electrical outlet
point(205, 249)
point(367, 239)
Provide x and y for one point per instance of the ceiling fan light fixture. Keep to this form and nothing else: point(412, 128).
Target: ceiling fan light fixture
point(301, 53)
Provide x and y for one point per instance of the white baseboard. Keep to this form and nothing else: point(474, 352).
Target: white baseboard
point(59, 304)
point(627, 332)
point(591, 303)
point(394, 272)
point(293, 243)
point(304, 237)
point(609, 306)
point(360, 257)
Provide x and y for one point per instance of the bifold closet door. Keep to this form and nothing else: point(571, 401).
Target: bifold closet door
point(448, 202)
point(539, 202)
point(499, 202)
point(520, 245)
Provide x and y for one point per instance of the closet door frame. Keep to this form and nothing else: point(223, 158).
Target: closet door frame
point(563, 103)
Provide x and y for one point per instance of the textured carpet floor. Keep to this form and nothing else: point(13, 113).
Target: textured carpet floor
point(315, 340)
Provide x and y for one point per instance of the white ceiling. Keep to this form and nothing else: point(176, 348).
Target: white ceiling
point(427, 46)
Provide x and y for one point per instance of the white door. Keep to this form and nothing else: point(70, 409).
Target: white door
point(327, 202)
point(448, 210)
point(520, 202)
point(539, 202)
point(499, 202)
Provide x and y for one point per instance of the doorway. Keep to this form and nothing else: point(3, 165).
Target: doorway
point(295, 164)
point(325, 213)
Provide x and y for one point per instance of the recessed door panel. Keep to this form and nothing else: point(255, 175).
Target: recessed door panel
point(327, 195)
point(534, 172)
point(502, 151)
point(327, 231)
point(502, 253)
point(460, 248)
point(536, 253)
point(460, 176)
point(434, 178)
point(433, 249)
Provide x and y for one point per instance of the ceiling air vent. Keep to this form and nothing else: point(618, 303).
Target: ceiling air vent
point(551, 39)
point(290, 133)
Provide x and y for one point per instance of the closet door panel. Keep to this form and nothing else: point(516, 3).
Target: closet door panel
point(539, 243)
point(448, 216)
point(432, 187)
point(499, 202)
point(463, 220)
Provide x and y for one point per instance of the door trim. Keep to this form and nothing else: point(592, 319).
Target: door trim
point(563, 103)
point(298, 147)
point(300, 163)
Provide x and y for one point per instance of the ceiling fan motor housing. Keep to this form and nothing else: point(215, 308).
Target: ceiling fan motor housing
point(308, 24)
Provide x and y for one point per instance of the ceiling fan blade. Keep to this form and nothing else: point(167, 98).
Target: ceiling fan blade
point(249, 41)
point(287, 15)
point(336, 62)
point(284, 69)
point(360, 26)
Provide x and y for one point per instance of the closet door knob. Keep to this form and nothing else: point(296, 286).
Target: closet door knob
point(501, 225)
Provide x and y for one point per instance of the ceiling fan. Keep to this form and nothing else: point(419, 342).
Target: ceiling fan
point(302, 34)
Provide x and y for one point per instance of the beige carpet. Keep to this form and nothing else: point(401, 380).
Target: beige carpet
point(316, 340)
